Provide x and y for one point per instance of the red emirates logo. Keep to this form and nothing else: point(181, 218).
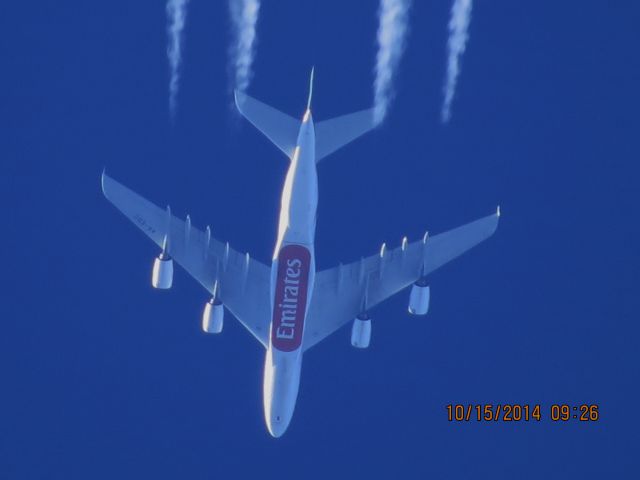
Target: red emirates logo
point(290, 300)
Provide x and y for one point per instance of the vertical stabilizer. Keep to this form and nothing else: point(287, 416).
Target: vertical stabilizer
point(310, 89)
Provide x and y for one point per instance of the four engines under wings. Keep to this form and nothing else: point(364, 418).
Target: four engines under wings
point(341, 294)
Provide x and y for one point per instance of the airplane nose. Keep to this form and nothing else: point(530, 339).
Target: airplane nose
point(277, 426)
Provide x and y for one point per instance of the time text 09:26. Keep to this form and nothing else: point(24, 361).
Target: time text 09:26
point(515, 412)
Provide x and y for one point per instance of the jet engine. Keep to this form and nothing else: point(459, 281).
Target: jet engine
point(361, 331)
point(419, 298)
point(162, 276)
point(213, 316)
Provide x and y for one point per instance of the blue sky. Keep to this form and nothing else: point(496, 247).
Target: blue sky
point(104, 377)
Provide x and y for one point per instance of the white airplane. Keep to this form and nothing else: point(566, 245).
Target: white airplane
point(288, 306)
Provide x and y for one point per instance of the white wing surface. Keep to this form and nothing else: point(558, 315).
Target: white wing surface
point(243, 282)
point(339, 293)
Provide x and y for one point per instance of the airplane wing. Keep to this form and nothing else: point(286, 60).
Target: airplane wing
point(339, 292)
point(244, 282)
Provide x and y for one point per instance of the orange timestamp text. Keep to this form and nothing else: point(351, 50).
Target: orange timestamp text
point(516, 412)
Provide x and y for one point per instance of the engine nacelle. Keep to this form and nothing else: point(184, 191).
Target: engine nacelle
point(419, 298)
point(213, 316)
point(162, 276)
point(361, 331)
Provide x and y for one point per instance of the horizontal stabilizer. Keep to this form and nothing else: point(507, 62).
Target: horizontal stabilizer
point(335, 133)
point(278, 127)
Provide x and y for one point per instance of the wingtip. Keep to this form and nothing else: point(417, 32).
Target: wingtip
point(498, 211)
point(237, 98)
point(103, 176)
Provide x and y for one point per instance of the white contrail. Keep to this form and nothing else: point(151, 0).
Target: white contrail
point(392, 30)
point(176, 15)
point(458, 36)
point(244, 16)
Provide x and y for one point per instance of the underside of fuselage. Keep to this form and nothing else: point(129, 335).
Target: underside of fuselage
point(293, 257)
point(292, 280)
point(280, 388)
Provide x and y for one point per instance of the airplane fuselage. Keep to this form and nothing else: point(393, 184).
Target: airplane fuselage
point(292, 281)
point(239, 283)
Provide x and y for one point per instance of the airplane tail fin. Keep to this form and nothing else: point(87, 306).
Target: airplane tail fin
point(336, 132)
point(310, 89)
point(283, 129)
point(278, 127)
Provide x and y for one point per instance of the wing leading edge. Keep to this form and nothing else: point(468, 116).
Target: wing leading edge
point(243, 282)
point(340, 292)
